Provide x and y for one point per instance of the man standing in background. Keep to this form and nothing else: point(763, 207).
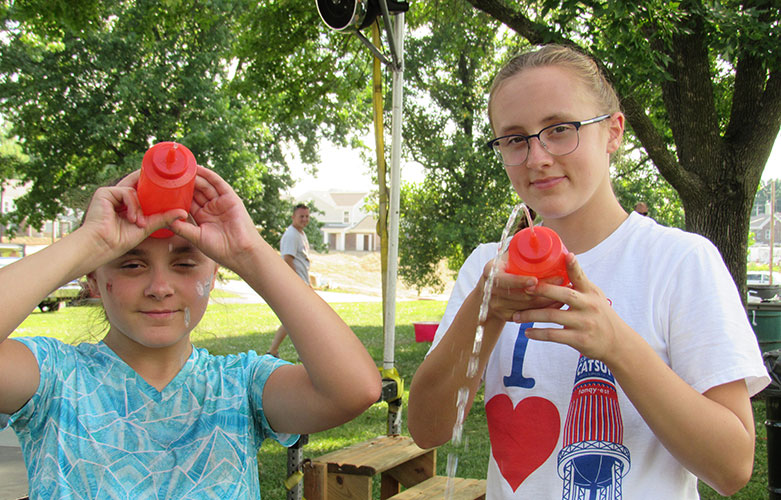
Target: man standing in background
point(294, 248)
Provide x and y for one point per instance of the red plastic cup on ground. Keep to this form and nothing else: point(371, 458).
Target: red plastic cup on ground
point(538, 252)
point(167, 181)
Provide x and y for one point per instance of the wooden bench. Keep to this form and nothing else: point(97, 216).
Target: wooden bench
point(463, 489)
point(348, 473)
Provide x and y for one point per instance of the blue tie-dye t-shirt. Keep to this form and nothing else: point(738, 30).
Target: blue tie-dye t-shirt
point(95, 429)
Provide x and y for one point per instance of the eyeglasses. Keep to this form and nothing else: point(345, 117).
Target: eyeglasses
point(559, 140)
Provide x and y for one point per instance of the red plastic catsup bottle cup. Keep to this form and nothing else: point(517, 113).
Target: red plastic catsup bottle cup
point(538, 252)
point(167, 181)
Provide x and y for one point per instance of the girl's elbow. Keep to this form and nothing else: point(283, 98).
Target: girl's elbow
point(731, 483)
point(424, 437)
point(425, 429)
point(373, 391)
point(733, 478)
point(363, 395)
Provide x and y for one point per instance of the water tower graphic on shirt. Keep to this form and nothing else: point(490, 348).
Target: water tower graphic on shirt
point(593, 459)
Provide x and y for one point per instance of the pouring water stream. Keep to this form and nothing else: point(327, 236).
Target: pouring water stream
point(474, 358)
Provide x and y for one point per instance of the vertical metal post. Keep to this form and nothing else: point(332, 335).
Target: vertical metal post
point(389, 322)
point(772, 224)
point(295, 458)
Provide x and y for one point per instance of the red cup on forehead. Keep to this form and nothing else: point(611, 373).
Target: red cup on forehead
point(539, 252)
point(167, 181)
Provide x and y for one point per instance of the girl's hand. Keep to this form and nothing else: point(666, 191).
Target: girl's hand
point(223, 229)
point(512, 293)
point(590, 324)
point(114, 216)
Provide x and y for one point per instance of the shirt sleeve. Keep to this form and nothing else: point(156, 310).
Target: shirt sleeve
point(261, 368)
point(47, 351)
point(711, 341)
point(288, 245)
point(468, 276)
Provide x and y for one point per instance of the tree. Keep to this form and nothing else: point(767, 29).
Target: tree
point(466, 196)
point(700, 83)
point(636, 179)
point(89, 86)
point(11, 161)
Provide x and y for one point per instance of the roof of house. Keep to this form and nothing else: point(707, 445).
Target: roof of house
point(760, 221)
point(347, 199)
point(366, 225)
point(334, 198)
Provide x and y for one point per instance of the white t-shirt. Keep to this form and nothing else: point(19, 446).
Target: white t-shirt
point(559, 424)
point(295, 243)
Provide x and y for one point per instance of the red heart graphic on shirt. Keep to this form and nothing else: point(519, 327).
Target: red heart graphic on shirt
point(522, 438)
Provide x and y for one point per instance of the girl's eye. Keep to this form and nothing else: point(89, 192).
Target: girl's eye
point(185, 265)
point(560, 129)
point(130, 265)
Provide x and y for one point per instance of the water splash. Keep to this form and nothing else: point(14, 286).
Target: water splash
point(452, 465)
point(474, 359)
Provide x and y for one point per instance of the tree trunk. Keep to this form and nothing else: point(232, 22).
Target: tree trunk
point(724, 220)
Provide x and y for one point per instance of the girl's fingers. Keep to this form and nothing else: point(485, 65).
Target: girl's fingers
point(214, 180)
point(205, 190)
point(130, 180)
point(576, 274)
point(132, 207)
point(186, 230)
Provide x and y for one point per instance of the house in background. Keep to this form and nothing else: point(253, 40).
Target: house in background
point(52, 230)
point(760, 226)
point(347, 225)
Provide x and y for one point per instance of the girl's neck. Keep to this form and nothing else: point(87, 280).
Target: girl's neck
point(589, 226)
point(156, 365)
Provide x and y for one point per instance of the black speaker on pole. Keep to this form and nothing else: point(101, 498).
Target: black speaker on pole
point(342, 15)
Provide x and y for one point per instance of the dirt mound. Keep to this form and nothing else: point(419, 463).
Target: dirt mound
point(361, 272)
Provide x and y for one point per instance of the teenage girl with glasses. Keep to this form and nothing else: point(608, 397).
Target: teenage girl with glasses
point(143, 413)
point(632, 382)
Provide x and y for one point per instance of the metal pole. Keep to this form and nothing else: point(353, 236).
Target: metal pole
point(772, 224)
point(374, 50)
point(389, 322)
point(395, 48)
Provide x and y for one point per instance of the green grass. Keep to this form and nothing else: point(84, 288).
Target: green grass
point(228, 328)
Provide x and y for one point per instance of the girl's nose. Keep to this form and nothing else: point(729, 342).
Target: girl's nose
point(538, 156)
point(159, 286)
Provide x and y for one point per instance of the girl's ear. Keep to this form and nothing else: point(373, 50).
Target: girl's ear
point(214, 276)
point(92, 282)
point(615, 132)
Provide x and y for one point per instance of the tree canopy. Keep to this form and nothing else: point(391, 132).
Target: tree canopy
point(89, 86)
point(700, 84)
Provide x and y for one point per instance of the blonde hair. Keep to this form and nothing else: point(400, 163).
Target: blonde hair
point(583, 67)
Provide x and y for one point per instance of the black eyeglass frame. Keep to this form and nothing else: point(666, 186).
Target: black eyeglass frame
point(492, 143)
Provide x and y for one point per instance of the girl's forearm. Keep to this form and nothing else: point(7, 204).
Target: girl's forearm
point(342, 374)
point(26, 282)
point(711, 434)
point(432, 411)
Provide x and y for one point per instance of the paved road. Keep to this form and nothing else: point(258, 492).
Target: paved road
point(246, 295)
point(13, 475)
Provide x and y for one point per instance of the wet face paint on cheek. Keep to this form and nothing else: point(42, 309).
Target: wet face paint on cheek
point(203, 288)
point(109, 286)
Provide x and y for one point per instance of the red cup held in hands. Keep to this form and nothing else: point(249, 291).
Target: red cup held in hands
point(539, 252)
point(167, 181)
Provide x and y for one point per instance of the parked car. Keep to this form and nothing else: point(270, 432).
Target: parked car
point(68, 293)
point(762, 278)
